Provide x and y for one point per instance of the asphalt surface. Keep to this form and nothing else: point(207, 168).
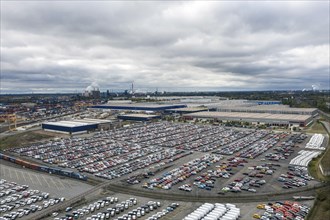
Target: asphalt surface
point(54, 185)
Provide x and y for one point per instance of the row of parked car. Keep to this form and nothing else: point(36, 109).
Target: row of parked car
point(261, 146)
point(18, 201)
point(242, 143)
point(225, 170)
point(304, 157)
point(162, 157)
point(87, 212)
point(193, 137)
point(173, 133)
point(282, 210)
point(111, 208)
point(253, 179)
point(148, 132)
point(209, 211)
point(316, 142)
point(122, 157)
point(285, 149)
point(164, 212)
point(296, 177)
point(180, 174)
point(140, 211)
point(183, 136)
point(226, 137)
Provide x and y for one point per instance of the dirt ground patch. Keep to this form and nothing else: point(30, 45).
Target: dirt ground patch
point(21, 139)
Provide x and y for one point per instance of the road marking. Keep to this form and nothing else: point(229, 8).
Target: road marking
point(53, 181)
point(3, 171)
point(39, 180)
point(46, 181)
point(10, 174)
point(23, 174)
point(30, 177)
point(17, 175)
point(35, 177)
point(61, 182)
point(50, 182)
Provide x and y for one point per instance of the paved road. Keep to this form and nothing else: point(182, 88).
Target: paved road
point(54, 185)
point(285, 195)
point(326, 125)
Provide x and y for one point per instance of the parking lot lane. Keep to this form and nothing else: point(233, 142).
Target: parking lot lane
point(38, 178)
point(43, 177)
point(21, 173)
point(34, 179)
point(29, 174)
point(10, 174)
point(16, 174)
point(3, 171)
point(62, 185)
point(56, 183)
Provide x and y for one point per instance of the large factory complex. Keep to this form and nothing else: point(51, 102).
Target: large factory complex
point(188, 158)
point(254, 112)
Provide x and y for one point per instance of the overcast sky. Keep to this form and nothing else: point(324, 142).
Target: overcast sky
point(64, 46)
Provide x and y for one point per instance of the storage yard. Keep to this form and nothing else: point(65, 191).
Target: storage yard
point(173, 159)
point(23, 200)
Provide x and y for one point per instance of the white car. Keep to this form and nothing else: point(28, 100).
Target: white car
point(55, 214)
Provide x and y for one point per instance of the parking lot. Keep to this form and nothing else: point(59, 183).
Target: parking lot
point(106, 150)
point(162, 156)
point(259, 175)
point(112, 206)
point(184, 159)
point(20, 201)
point(54, 185)
point(247, 210)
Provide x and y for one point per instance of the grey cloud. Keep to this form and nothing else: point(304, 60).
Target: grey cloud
point(255, 45)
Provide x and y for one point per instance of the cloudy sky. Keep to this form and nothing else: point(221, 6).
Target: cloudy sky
point(64, 46)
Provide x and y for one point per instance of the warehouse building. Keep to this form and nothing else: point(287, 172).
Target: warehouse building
point(138, 106)
point(255, 118)
point(265, 102)
point(271, 109)
point(241, 103)
point(186, 110)
point(138, 117)
point(77, 126)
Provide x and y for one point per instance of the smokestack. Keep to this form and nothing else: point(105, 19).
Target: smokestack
point(133, 87)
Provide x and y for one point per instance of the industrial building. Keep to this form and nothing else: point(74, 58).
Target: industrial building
point(186, 110)
point(77, 126)
point(271, 109)
point(138, 106)
point(265, 102)
point(138, 117)
point(240, 103)
point(255, 118)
